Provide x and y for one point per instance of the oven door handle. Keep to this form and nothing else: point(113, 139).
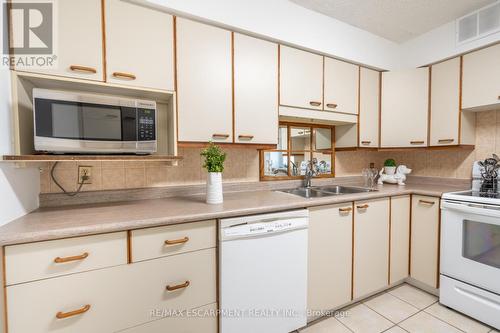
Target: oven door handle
point(472, 208)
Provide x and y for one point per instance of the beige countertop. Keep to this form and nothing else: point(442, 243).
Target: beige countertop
point(70, 221)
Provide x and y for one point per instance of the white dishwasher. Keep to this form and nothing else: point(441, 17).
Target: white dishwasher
point(263, 272)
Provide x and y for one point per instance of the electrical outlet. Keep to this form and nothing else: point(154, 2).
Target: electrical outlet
point(84, 174)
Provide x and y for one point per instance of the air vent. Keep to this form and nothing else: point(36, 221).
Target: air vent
point(479, 24)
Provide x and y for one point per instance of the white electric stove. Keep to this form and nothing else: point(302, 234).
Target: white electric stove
point(470, 254)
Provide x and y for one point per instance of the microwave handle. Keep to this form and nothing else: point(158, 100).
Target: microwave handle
point(472, 208)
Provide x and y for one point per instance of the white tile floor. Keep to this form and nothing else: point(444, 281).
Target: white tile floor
point(402, 309)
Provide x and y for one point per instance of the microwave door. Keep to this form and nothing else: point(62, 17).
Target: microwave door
point(101, 123)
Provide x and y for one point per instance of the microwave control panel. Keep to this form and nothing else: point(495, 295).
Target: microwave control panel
point(147, 125)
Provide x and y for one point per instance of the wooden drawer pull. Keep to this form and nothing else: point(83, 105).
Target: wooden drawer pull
point(417, 142)
point(177, 241)
point(313, 103)
point(120, 75)
point(365, 206)
point(245, 137)
point(446, 140)
point(77, 68)
point(332, 105)
point(179, 286)
point(62, 315)
point(60, 260)
point(345, 210)
point(366, 142)
point(220, 136)
point(426, 202)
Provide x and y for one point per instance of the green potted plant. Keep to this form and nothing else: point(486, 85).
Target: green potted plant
point(390, 166)
point(214, 163)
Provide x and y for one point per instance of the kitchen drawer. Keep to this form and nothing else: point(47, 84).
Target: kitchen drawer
point(165, 241)
point(41, 260)
point(203, 319)
point(99, 297)
point(179, 282)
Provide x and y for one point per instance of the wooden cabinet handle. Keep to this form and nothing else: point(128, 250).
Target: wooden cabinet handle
point(245, 137)
point(62, 315)
point(177, 241)
point(332, 105)
point(60, 260)
point(121, 75)
point(426, 202)
point(446, 140)
point(365, 142)
point(345, 210)
point(365, 206)
point(220, 136)
point(77, 68)
point(417, 142)
point(313, 103)
point(179, 286)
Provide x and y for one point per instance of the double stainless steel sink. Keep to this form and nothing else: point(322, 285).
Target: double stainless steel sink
point(326, 191)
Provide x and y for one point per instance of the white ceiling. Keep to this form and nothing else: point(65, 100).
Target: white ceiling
point(396, 20)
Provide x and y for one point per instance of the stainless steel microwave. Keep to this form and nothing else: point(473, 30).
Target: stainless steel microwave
point(68, 122)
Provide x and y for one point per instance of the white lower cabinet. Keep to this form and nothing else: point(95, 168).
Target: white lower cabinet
point(371, 246)
point(110, 299)
point(203, 319)
point(399, 238)
point(330, 257)
point(425, 240)
point(94, 301)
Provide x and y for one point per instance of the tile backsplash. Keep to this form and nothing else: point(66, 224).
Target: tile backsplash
point(242, 164)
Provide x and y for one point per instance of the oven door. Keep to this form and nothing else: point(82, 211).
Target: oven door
point(470, 243)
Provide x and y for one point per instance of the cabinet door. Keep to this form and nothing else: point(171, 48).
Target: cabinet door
point(481, 79)
point(301, 78)
point(255, 90)
point(371, 246)
point(330, 256)
point(405, 96)
point(400, 238)
point(79, 44)
point(139, 46)
point(424, 239)
point(204, 82)
point(445, 99)
point(341, 86)
point(369, 107)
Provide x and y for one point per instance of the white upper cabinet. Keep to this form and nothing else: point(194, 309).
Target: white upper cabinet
point(139, 46)
point(255, 90)
point(301, 78)
point(405, 108)
point(481, 79)
point(78, 43)
point(341, 86)
point(369, 107)
point(445, 100)
point(204, 82)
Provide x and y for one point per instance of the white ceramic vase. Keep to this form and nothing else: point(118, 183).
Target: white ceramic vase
point(214, 188)
point(390, 170)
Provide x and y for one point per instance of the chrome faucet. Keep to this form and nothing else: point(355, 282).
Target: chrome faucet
point(311, 171)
